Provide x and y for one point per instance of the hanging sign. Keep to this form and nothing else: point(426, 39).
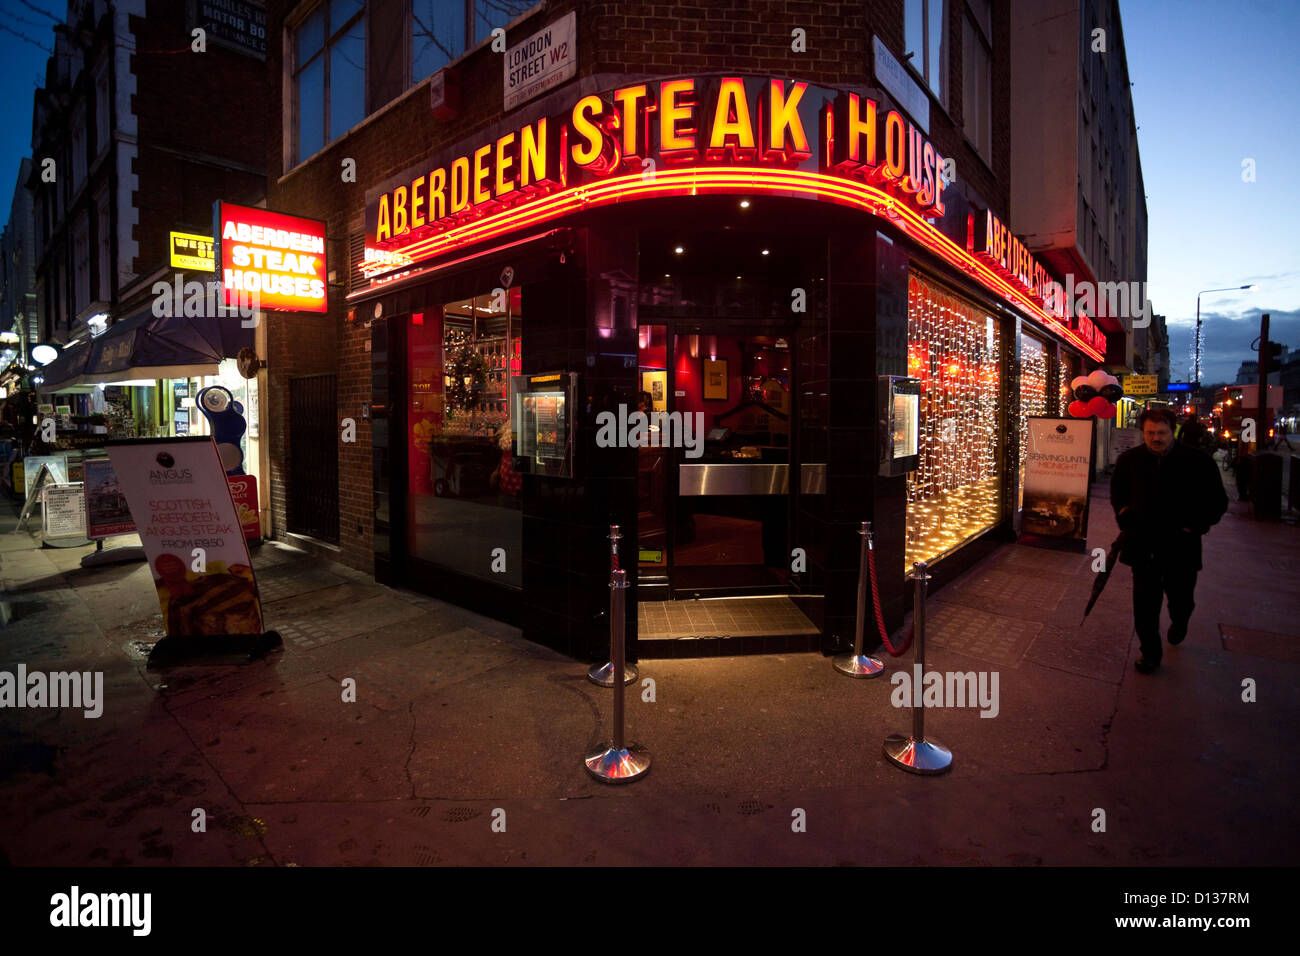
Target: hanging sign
point(276, 259)
point(176, 489)
point(1058, 465)
point(192, 252)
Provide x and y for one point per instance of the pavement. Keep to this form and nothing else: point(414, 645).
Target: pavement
point(464, 744)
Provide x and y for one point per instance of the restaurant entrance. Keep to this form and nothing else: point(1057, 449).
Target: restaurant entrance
point(714, 509)
point(720, 317)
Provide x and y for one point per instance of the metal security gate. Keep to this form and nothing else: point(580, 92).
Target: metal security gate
point(314, 457)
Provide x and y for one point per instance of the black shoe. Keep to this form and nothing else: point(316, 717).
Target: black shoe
point(1143, 667)
point(1176, 635)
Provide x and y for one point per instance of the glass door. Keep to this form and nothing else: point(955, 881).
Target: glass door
point(730, 442)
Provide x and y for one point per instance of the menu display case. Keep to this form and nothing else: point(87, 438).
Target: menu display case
point(543, 422)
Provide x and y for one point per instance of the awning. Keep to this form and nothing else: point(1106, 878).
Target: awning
point(65, 370)
point(145, 347)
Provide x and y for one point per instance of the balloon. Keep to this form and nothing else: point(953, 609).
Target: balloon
point(1097, 378)
point(1085, 393)
point(1077, 381)
point(1079, 409)
point(1101, 408)
point(1112, 393)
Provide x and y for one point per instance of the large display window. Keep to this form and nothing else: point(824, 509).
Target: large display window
point(463, 506)
point(954, 349)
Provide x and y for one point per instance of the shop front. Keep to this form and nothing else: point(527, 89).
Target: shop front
point(588, 318)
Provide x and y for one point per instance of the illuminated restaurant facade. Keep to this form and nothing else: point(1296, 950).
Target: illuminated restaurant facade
point(681, 299)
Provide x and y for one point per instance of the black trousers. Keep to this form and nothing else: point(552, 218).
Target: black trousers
point(1151, 582)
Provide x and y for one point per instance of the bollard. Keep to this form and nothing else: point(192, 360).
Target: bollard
point(618, 763)
point(915, 754)
point(858, 664)
point(603, 674)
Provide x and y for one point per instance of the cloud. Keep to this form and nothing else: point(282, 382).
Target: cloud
point(1226, 341)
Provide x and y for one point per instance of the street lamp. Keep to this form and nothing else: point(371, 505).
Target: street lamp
point(1232, 288)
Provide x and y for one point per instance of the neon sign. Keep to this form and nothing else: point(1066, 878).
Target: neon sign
point(279, 259)
point(673, 123)
point(711, 136)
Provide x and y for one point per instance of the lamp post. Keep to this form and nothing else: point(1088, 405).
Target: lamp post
point(1232, 288)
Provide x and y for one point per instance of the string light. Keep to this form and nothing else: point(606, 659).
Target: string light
point(955, 492)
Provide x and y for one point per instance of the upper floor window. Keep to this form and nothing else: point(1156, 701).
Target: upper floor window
point(977, 77)
point(441, 30)
point(927, 45)
point(329, 77)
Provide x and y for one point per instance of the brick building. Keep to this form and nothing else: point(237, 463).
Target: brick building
point(141, 126)
point(784, 218)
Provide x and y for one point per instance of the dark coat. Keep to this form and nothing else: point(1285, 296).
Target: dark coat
point(1156, 497)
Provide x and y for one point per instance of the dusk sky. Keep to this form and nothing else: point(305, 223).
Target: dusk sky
point(1214, 85)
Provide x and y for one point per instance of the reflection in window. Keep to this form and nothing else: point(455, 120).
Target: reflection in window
point(490, 14)
point(464, 492)
point(924, 34)
point(329, 78)
point(954, 349)
point(439, 29)
point(437, 35)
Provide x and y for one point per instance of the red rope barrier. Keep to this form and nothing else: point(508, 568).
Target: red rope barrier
point(880, 619)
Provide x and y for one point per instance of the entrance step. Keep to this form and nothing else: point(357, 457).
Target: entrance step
point(723, 627)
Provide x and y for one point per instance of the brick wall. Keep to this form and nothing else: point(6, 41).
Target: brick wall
point(202, 130)
point(669, 38)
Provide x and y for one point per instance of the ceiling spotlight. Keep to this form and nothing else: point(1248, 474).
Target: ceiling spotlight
point(744, 204)
point(679, 250)
point(766, 251)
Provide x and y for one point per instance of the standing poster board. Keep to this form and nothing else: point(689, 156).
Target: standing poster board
point(63, 515)
point(57, 465)
point(177, 492)
point(107, 512)
point(1058, 465)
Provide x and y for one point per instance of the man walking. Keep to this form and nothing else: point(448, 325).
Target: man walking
point(1166, 496)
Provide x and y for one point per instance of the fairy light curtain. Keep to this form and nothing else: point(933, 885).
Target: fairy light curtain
point(1069, 370)
point(955, 492)
point(1033, 396)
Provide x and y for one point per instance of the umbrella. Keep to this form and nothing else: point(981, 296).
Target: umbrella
point(1103, 576)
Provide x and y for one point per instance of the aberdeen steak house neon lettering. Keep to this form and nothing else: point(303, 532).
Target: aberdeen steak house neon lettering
point(686, 122)
point(993, 242)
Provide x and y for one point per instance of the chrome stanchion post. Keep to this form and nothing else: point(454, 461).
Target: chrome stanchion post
point(915, 754)
point(618, 763)
point(858, 664)
point(603, 674)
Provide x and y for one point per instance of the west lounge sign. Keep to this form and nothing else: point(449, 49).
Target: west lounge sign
point(672, 124)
